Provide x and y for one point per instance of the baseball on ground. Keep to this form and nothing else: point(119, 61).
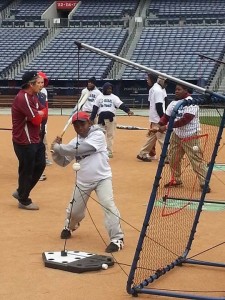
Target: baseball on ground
point(105, 266)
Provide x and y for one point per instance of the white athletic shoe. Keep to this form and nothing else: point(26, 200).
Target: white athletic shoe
point(153, 157)
point(16, 195)
point(31, 206)
point(43, 177)
point(48, 162)
point(110, 155)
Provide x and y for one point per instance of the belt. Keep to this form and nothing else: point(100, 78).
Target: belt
point(81, 157)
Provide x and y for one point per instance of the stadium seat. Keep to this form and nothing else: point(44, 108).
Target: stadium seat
point(59, 58)
point(111, 9)
point(175, 50)
point(188, 9)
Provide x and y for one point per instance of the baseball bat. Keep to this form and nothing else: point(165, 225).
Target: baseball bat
point(83, 98)
point(130, 127)
point(6, 129)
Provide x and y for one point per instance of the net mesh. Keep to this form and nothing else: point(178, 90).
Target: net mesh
point(174, 210)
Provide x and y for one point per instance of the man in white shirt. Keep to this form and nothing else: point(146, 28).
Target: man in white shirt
point(184, 139)
point(93, 94)
point(89, 149)
point(157, 95)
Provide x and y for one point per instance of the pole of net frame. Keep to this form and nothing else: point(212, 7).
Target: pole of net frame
point(140, 67)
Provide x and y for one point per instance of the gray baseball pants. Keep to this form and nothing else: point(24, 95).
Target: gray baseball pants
point(104, 191)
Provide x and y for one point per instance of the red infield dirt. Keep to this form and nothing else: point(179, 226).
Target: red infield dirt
point(25, 235)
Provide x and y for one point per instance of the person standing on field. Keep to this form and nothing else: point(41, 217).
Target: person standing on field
point(89, 150)
point(27, 116)
point(94, 92)
point(43, 99)
point(184, 138)
point(105, 106)
point(157, 95)
point(151, 80)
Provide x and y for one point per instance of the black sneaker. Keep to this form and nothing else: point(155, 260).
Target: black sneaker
point(146, 159)
point(114, 246)
point(65, 234)
point(173, 183)
point(208, 190)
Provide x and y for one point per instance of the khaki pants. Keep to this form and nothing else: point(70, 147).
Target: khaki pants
point(151, 140)
point(46, 146)
point(178, 147)
point(110, 128)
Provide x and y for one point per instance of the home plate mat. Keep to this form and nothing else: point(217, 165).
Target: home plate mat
point(76, 261)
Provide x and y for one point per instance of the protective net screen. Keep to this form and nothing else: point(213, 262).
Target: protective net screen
point(177, 197)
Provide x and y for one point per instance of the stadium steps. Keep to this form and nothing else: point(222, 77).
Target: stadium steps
point(218, 81)
point(134, 36)
point(222, 87)
point(52, 33)
point(5, 12)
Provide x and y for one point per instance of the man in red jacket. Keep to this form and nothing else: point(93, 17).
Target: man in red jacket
point(27, 115)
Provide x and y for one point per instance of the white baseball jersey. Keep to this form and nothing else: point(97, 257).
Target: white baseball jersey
point(191, 128)
point(107, 103)
point(88, 105)
point(156, 95)
point(93, 167)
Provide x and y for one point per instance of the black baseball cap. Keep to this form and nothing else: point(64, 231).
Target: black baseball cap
point(152, 77)
point(92, 80)
point(29, 76)
point(106, 86)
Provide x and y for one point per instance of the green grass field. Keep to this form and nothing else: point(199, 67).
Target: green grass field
point(211, 120)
